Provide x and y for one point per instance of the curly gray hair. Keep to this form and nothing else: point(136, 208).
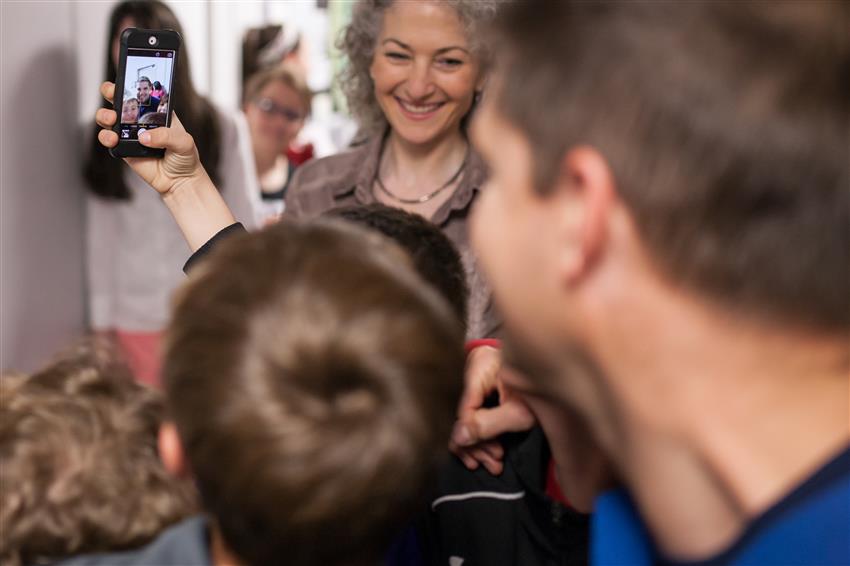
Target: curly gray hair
point(358, 42)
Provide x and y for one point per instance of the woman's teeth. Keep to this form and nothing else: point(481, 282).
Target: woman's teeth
point(419, 108)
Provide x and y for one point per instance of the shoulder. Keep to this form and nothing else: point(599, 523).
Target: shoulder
point(333, 171)
point(317, 185)
point(234, 134)
point(184, 543)
point(228, 122)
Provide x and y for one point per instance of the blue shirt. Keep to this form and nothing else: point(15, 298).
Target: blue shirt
point(811, 525)
point(184, 544)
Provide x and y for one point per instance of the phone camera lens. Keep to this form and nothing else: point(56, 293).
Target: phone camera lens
point(152, 40)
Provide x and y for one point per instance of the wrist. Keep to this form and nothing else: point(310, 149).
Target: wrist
point(478, 342)
point(198, 209)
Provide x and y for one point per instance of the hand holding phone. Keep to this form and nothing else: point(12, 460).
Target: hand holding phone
point(180, 163)
point(143, 88)
point(178, 177)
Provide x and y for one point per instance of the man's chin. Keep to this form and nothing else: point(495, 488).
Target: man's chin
point(560, 379)
point(520, 355)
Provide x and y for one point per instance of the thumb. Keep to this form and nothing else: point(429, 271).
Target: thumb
point(174, 138)
point(487, 424)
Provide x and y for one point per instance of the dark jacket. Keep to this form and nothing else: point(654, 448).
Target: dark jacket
point(477, 519)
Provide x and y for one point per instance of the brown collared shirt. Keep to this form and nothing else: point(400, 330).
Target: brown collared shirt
point(346, 179)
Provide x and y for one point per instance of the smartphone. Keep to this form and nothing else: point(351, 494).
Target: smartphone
point(144, 87)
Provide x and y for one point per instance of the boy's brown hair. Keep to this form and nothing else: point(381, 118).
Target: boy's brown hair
point(725, 125)
point(79, 461)
point(314, 378)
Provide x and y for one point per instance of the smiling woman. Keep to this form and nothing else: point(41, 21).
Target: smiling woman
point(415, 72)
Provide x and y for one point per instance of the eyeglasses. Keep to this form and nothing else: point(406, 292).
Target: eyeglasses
point(267, 106)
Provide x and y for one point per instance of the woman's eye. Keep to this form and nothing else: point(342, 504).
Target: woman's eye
point(396, 55)
point(449, 62)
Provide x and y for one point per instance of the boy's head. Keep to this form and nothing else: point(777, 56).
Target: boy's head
point(313, 377)
point(79, 461)
point(434, 256)
point(701, 143)
point(130, 111)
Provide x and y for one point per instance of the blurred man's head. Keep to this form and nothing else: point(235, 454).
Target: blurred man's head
point(699, 146)
point(143, 89)
point(314, 378)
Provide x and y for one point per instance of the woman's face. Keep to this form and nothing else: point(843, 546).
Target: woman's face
point(275, 116)
point(424, 72)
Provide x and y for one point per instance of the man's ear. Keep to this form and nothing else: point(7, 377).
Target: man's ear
point(586, 186)
point(171, 451)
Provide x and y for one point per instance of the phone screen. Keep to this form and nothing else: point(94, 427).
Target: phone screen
point(147, 88)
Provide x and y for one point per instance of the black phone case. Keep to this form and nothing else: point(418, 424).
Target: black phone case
point(137, 38)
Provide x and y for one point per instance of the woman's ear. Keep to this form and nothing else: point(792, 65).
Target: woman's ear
point(481, 84)
point(171, 450)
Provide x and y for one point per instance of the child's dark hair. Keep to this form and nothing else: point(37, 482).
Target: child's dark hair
point(434, 255)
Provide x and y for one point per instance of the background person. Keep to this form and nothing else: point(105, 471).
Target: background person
point(415, 69)
point(134, 250)
point(147, 101)
point(163, 104)
point(276, 103)
point(158, 90)
point(79, 458)
point(155, 118)
point(636, 229)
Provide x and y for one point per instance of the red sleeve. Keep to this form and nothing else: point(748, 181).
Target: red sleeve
point(553, 490)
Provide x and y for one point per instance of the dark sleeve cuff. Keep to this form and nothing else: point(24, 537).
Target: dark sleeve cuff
point(212, 243)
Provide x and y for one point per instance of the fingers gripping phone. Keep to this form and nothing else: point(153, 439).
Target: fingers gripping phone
point(143, 88)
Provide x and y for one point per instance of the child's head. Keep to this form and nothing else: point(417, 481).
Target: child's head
point(434, 256)
point(313, 378)
point(79, 461)
point(130, 111)
point(153, 119)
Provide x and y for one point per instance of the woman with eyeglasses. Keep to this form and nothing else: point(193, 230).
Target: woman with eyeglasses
point(276, 102)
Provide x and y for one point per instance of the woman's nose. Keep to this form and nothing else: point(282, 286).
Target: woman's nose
point(419, 84)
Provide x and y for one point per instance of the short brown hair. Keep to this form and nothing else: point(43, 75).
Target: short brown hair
point(284, 74)
point(725, 125)
point(80, 467)
point(314, 379)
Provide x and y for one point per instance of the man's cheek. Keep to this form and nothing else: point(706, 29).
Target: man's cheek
point(478, 224)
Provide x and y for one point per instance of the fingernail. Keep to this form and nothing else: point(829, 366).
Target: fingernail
point(144, 137)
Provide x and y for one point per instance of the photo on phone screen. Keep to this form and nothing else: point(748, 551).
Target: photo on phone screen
point(147, 84)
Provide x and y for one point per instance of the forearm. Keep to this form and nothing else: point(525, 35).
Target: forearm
point(581, 467)
point(198, 209)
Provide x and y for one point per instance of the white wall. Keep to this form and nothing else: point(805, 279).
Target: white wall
point(41, 213)
point(52, 61)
